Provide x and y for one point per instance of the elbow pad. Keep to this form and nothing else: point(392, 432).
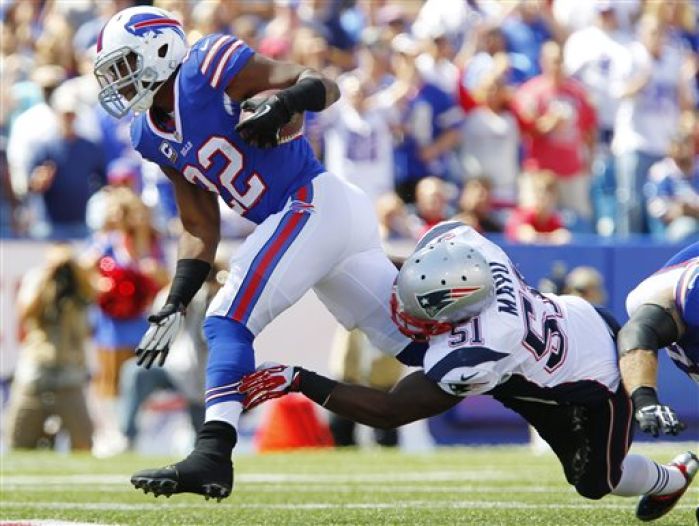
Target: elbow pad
point(651, 327)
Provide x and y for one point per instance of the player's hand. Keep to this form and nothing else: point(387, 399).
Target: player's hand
point(262, 128)
point(164, 326)
point(270, 380)
point(655, 419)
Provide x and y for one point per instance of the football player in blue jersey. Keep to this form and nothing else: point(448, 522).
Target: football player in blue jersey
point(550, 358)
point(314, 230)
point(664, 312)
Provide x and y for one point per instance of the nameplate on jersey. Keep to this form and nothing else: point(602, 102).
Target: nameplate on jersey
point(168, 151)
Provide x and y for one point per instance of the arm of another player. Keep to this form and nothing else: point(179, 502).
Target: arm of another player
point(413, 398)
point(654, 324)
point(201, 223)
point(302, 89)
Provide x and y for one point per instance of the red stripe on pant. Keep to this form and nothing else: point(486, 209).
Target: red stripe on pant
point(256, 281)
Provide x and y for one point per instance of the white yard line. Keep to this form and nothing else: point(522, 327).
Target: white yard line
point(436, 504)
point(266, 478)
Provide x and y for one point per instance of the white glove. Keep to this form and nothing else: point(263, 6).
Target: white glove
point(164, 327)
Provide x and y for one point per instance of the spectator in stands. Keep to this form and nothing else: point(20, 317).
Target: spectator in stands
point(25, 136)
point(490, 137)
point(655, 89)
point(476, 206)
point(431, 123)
point(561, 125)
point(680, 19)
point(358, 135)
point(588, 283)
point(51, 373)
point(595, 55)
point(184, 371)
point(66, 171)
point(436, 63)
point(673, 203)
point(394, 220)
point(536, 220)
point(483, 53)
point(431, 202)
point(527, 28)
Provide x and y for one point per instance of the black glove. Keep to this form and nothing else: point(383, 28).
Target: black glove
point(262, 128)
point(655, 419)
point(164, 327)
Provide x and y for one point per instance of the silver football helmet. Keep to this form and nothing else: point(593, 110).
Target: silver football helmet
point(441, 284)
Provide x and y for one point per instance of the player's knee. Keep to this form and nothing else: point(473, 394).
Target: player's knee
point(220, 329)
point(591, 491)
point(231, 354)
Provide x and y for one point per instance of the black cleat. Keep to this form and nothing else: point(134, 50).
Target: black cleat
point(652, 507)
point(198, 473)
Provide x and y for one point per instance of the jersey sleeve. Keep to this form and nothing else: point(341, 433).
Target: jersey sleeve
point(465, 371)
point(212, 63)
point(687, 294)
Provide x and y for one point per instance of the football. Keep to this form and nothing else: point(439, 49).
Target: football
point(291, 130)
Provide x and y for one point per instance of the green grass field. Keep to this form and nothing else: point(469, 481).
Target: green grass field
point(472, 486)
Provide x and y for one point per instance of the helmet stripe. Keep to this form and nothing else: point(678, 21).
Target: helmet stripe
point(157, 22)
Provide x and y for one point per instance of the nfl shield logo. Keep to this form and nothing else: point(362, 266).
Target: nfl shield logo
point(436, 301)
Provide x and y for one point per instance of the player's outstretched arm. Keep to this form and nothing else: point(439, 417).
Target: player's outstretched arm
point(201, 224)
point(302, 89)
point(651, 327)
point(413, 398)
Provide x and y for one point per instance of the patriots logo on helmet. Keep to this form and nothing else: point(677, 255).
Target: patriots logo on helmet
point(142, 23)
point(436, 301)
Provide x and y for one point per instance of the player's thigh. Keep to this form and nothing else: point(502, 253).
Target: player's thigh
point(358, 293)
point(282, 259)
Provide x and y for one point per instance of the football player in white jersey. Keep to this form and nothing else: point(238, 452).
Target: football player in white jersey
point(552, 359)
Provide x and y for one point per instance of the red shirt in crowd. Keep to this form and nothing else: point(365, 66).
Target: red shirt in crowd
point(563, 149)
point(527, 216)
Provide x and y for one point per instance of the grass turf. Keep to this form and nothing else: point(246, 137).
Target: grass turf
point(473, 486)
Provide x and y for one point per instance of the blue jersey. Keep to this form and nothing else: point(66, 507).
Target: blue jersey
point(685, 352)
point(201, 143)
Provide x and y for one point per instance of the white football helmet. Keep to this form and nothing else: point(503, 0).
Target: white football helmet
point(137, 50)
point(440, 285)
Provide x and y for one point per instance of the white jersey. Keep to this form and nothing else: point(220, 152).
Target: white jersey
point(648, 120)
point(542, 347)
point(596, 57)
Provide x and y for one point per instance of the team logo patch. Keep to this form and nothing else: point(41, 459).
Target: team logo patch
point(141, 24)
point(436, 301)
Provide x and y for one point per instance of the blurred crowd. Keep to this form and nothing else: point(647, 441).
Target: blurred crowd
point(538, 119)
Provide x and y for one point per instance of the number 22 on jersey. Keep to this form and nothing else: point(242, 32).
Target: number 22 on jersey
point(217, 145)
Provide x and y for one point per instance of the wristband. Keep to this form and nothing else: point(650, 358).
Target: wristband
point(643, 397)
point(190, 275)
point(315, 386)
point(308, 94)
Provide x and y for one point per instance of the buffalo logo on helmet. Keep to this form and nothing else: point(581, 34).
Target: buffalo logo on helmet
point(436, 301)
point(142, 23)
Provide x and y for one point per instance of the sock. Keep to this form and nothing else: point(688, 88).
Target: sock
point(231, 356)
point(642, 476)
